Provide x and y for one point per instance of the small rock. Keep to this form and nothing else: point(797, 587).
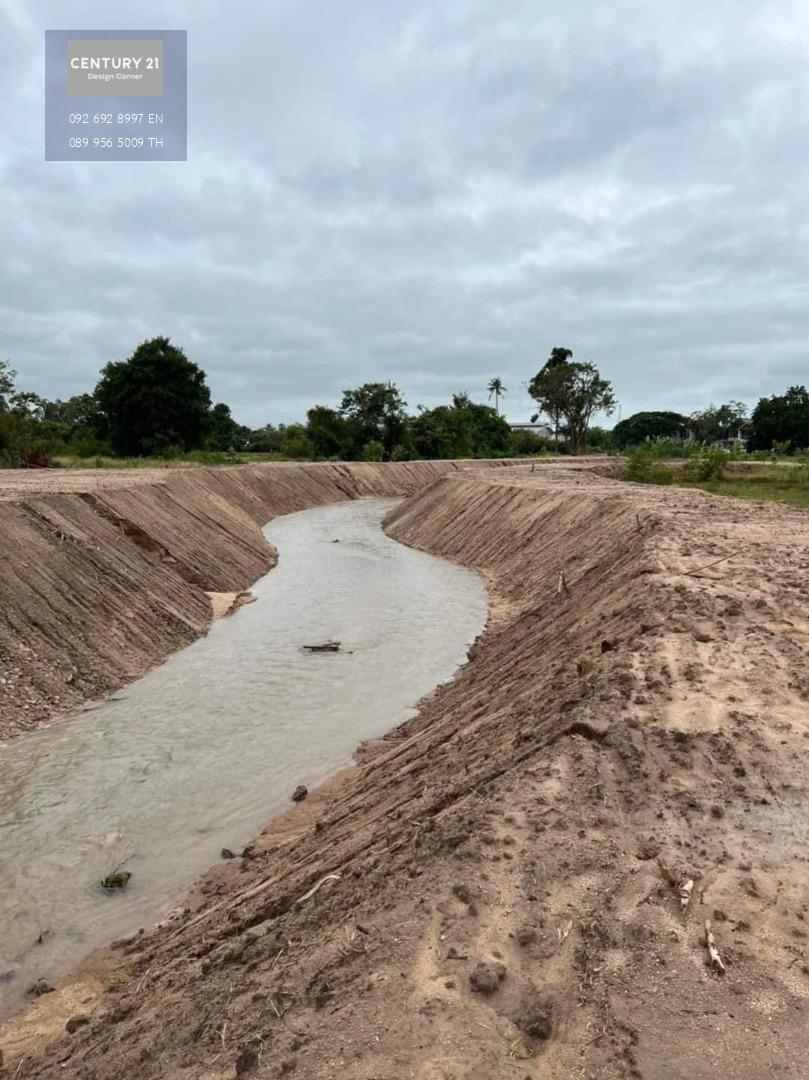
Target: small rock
point(535, 1020)
point(76, 1022)
point(40, 987)
point(453, 954)
point(226, 853)
point(702, 632)
point(300, 793)
point(464, 893)
point(526, 935)
point(247, 1061)
point(486, 977)
point(649, 849)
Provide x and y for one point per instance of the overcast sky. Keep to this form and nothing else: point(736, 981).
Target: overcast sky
point(429, 192)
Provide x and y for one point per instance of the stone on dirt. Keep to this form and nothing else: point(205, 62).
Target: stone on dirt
point(535, 1019)
point(300, 793)
point(487, 976)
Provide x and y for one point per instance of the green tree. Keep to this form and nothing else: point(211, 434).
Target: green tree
point(460, 430)
point(641, 426)
point(265, 440)
point(224, 433)
point(599, 438)
point(443, 432)
point(549, 387)
point(297, 443)
point(782, 418)
point(721, 422)
point(78, 412)
point(571, 393)
point(155, 400)
point(333, 435)
point(373, 451)
point(489, 432)
point(496, 390)
point(379, 412)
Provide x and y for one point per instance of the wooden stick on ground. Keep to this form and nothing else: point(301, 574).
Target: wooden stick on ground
point(713, 952)
point(699, 569)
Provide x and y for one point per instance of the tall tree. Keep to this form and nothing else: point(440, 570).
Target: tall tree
point(496, 390)
point(549, 386)
point(463, 429)
point(571, 393)
point(782, 418)
point(332, 435)
point(155, 400)
point(718, 423)
point(641, 426)
point(224, 433)
point(379, 412)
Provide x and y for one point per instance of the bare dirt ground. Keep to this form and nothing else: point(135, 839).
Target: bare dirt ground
point(517, 883)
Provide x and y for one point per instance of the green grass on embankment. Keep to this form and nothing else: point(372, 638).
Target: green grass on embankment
point(777, 483)
point(786, 481)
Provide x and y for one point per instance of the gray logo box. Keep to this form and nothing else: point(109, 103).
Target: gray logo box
point(116, 68)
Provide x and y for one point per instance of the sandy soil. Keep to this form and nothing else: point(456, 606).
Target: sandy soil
point(516, 884)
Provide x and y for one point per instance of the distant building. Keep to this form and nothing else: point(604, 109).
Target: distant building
point(542, 430)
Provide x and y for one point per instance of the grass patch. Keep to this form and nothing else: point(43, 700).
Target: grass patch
point(779, 483)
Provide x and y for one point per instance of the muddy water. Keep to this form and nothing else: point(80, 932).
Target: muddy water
point(200, 753)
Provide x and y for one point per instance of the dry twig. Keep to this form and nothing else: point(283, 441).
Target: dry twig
point(693, 573)
point(713, 952)
point(316, 886)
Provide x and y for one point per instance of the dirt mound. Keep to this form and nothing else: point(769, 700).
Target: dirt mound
point(622, 760)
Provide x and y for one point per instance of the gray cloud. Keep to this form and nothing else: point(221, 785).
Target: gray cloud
point(429, 192)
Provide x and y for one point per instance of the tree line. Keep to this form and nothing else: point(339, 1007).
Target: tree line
point(779, 423)
point(157, 404)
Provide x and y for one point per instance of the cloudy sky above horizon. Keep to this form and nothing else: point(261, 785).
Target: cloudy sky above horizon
point(429, 191)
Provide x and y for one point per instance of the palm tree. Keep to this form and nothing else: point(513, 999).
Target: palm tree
point(496, 390)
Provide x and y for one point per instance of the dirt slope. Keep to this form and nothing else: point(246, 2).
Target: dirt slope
point(104, 574)
point(501, 888)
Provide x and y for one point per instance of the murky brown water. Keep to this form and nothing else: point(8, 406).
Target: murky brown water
point(202, 752)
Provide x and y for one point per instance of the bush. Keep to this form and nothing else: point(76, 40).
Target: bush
point(372, 451)
point(644, 468)
point(709, 465)
point(18, 448)
point(299, 448)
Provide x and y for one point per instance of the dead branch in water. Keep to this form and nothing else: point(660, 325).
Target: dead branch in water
point(327, 646)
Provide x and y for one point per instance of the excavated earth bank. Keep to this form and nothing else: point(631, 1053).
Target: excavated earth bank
point(104, 574)
point(516, 883)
